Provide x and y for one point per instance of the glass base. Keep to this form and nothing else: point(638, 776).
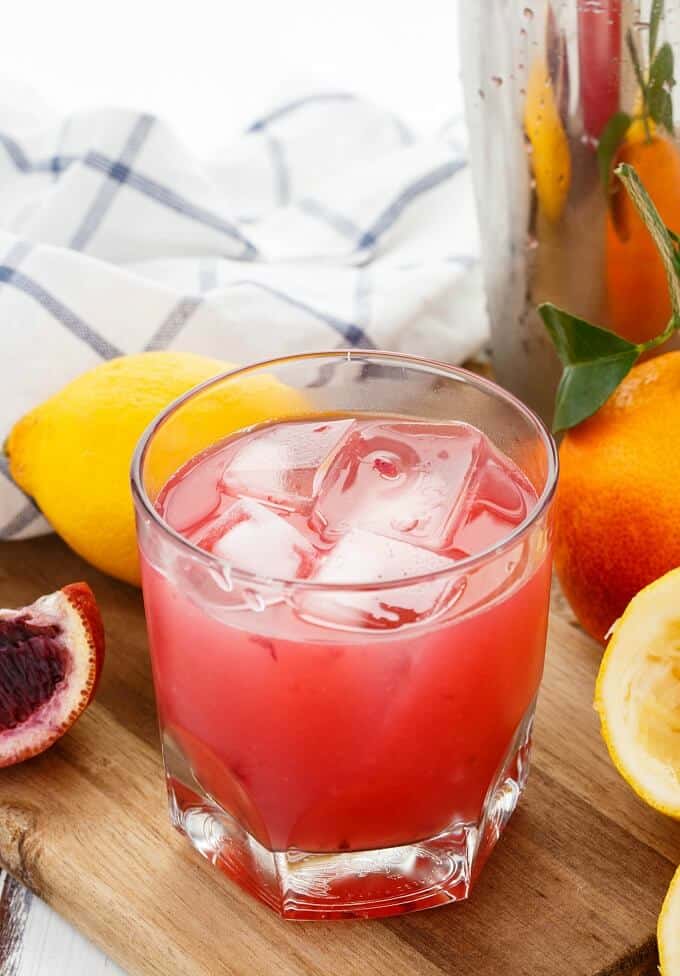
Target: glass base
point(349, 884)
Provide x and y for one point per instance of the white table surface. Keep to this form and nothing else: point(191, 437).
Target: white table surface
point(209, 68)
point(35, 941)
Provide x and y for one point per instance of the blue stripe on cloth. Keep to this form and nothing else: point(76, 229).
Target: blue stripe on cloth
point(298, 103)
point(17, 252)
point(53, 164)
point(362, 315)
point(104, 198)
point(466, 261)
point(59, 311)
point(23, 518)
point(26, 514)
point(405, 133)
point(352, 333)
point(343, 225)
point(15, 152)
point(391, 214)
point(362, 297)
point(324, 376)
point(207, 274)
point(164, 195)
point(56, 160)
point(29, 511)
point(173, 324)
point(282, 189)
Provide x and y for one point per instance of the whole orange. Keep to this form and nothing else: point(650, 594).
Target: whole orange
point(638, 305)
point(618, 500)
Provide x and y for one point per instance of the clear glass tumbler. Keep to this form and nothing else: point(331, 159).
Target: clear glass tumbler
point(336, 771)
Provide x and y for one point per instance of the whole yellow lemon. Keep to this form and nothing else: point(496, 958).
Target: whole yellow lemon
point(72, 453)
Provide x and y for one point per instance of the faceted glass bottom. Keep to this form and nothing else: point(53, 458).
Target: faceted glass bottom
point(349, 884)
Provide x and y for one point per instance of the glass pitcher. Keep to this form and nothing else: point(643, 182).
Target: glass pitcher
point(556, 94)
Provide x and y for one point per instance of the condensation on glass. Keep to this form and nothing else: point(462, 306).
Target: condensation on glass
point(543, 82)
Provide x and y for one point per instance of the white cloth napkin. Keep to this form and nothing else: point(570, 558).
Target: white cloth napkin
point(326, 224)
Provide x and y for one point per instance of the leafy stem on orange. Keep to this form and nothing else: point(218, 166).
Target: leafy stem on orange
point(655, 102)
point(666, 241)
point(595, 360)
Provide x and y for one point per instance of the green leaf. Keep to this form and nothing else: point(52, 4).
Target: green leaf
point(657, 228)
point(660, 106)
point(658, 100)
point(595, 361)
point(654, 21)
point(661, 68)
point(610, 140)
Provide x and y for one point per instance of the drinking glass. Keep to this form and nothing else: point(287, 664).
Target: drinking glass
point(331, 770)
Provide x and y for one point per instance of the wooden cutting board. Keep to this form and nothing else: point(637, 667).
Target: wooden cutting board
point(573, 888)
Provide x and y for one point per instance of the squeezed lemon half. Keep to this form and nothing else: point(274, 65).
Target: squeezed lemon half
point(638, 694)
point(638, 698)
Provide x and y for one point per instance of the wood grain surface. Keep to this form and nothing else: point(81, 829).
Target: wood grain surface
point(573, 888)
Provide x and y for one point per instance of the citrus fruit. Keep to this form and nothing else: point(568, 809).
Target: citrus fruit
point(51, 655)
point(638, 303)
point(551, 160)
point(72, 453)
point(618, 499)
point(668, 930)
point(638, 694)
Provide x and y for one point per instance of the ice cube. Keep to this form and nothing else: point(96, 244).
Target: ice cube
point(283, 465)
point(362, 557)
point(497, 501)
point(251, 537)
point(405, 480)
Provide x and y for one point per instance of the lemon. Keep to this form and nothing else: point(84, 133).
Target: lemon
point(72, 453)
point(638, 694)
point(551, 159)
point(668, 930)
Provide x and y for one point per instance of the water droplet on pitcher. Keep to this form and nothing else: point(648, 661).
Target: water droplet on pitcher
point(497, 80)
point(480, 92)
point(528, 13)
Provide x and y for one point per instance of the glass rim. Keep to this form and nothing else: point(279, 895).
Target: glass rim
point(351, 355)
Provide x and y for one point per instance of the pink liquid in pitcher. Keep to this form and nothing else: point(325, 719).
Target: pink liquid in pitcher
point(348, 718)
